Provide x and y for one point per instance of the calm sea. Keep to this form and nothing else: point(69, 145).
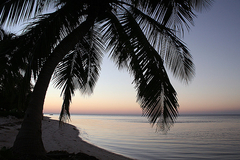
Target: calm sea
point(191, 137)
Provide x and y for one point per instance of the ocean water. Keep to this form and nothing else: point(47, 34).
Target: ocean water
point(191, 137)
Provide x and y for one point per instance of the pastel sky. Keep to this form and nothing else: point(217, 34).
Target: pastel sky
point(214, 42)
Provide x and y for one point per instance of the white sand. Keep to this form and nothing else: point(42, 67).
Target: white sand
point(63, 138)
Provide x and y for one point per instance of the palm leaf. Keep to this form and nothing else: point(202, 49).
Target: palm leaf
point(78, 70)
point(41, 36)
point(155, 93)
point(172, 14)
point(176, 55)
point(15, 11)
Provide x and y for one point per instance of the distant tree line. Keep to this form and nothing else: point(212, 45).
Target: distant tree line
point(14, 91)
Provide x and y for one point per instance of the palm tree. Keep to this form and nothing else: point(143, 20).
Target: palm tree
point(69, 41)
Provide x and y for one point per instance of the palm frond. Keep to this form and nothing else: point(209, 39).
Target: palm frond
point(176, 55)
point(173, 51)
point(155, 93)
point(79, 70)
point(173, 14)
point(15, 11)
point(64, 77)
point(43, 35)
point(117, 40)
point(199, 5)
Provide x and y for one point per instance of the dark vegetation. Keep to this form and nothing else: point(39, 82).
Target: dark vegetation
point(14, 112)
point(14, 91)
point(7, 154)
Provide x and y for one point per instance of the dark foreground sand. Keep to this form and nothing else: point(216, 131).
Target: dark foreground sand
point(63, 138)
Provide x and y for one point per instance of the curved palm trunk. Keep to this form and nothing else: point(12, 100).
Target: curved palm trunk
point(29, 138)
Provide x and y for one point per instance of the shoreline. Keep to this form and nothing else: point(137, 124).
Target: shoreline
point(64, 138)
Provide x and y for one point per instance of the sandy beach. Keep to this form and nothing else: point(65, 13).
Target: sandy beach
point(63, 138)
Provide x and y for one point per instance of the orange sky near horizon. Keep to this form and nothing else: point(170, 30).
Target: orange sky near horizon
point(117, 96)
point(111, 96)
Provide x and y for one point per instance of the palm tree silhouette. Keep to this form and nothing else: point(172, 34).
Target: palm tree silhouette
point(69, 41)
